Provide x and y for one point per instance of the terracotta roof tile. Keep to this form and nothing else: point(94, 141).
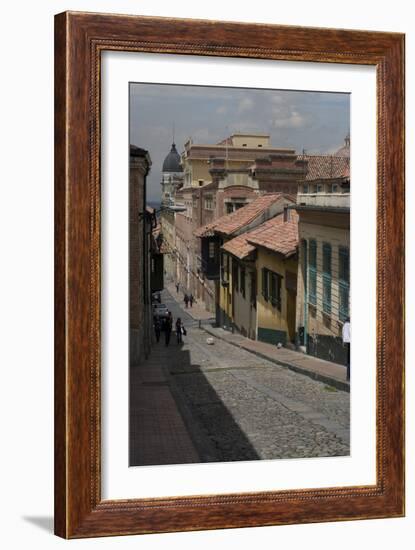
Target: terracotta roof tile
point(326, 166)
point(230, 223)
point(239, 246)
point(275, 234)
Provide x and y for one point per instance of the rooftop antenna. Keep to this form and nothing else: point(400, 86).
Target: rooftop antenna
point(173, 132)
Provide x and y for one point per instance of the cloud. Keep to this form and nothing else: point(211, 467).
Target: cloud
point(294, 120)
point(245, 104)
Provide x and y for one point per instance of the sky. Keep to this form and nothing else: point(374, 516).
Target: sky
point(315, 121)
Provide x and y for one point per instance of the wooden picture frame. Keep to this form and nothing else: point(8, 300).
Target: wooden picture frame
point(79, 40)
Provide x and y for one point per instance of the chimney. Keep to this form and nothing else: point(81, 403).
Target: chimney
point(286, 214)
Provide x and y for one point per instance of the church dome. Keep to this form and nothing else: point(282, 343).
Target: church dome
point(345, 150)
point(172, 161)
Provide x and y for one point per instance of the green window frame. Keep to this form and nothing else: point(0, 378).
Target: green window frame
point(265, 289)
point(312, 272)
point(326, 278)
point(275, 290)
point(344, 282)
point(243, 281)
point(235, 275)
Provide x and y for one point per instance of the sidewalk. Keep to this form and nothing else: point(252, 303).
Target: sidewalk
point(197, 312)
point(318, 369)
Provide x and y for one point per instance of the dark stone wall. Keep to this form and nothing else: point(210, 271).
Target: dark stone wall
point(328, 348)
point(272, 336)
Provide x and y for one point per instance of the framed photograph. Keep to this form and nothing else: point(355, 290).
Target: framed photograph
point(229, 275)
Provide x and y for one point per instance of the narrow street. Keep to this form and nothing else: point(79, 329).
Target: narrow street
point(197, 402)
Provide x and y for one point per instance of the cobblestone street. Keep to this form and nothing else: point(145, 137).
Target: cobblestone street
point(206, 403)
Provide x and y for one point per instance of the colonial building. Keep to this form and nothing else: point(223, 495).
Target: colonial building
point(219, 265)
point(172, 180)
point(139, 252)
point(323, 206)
point(220, 179)
point(264, 279)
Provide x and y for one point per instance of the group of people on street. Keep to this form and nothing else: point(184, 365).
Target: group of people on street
point(167, 326)
point(188, 299)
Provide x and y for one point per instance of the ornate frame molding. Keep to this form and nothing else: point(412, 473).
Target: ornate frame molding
point(79, 40)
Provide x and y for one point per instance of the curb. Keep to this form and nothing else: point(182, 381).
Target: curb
point(335, 382)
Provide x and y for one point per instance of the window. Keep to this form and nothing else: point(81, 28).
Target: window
point(253, 289)
point(320, 188)
point(229, 208)
point(344, 282)
point(235, 275)
point(209, 203)
point(276, 290)
point(305, 188)
point(326, 278)
point(312, 272)
point(243, 281)
point(334, 188)
point(212, 250)
point(265, 283)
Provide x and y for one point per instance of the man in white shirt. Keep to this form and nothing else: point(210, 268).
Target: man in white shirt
point(346, 342)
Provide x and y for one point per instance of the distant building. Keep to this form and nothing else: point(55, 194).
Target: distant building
point(219, 179)
point(323, 291)
point(139, 255)
point(172, 180)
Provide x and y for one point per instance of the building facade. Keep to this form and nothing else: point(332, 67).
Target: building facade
point(323, 290)
point(139, 252)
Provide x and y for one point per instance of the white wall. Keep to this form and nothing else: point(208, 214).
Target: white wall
point(26, 302)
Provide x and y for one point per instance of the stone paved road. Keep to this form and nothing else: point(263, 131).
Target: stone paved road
point(236, 406)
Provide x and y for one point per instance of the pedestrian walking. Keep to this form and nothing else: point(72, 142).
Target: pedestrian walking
point(179, 330)
point(191, 300)
point(157, 328)
point(168, 328)
point(346, 343)
point(186, 300)
point(177, 287)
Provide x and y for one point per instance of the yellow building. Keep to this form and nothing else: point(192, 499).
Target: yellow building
point(260, 271)
point(238, 151)
point(220, 264)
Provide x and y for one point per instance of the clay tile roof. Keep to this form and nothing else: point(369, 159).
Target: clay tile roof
point(230, 223)
point(326, 167)
point(239, 246)
point(277, 235)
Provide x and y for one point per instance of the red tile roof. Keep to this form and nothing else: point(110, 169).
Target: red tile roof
point(239, 246)
point(230, 223)
point(275, 234)
point(326, 167)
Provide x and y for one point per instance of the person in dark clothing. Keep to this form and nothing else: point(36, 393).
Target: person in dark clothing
point(168, 327)
point(179, 330)
point(186, 300)
point(191, 300)
point(177, 287)
point(157, 328)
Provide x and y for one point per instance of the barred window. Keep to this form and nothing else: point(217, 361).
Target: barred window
point(265, 283)
point(326, 278)
point(243, 281)
point(312, 272)
point(344, 282)
point(276, 290)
